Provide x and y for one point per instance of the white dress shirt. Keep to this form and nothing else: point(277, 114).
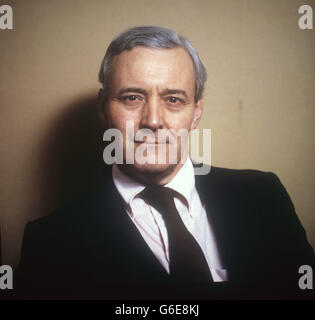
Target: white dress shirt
point(151, 225)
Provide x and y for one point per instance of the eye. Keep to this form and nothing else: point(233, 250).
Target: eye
point(131, 100)
point(173, 99)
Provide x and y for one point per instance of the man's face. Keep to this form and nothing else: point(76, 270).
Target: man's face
point(155, 89)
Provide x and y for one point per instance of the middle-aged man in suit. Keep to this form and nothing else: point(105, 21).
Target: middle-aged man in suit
point(157, 230)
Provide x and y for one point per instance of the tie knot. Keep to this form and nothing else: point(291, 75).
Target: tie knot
point(159, 197)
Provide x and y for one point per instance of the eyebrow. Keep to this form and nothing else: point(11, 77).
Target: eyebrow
point(132, 89)
point(144, 92)
point(174, 91)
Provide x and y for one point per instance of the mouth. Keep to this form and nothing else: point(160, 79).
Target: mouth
point(151, 142)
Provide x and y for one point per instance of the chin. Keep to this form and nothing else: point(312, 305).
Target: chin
point(149, 170)
point(149, 173)
point(153, 168)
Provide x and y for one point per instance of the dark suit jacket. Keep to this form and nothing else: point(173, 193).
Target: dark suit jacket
point(91, 249)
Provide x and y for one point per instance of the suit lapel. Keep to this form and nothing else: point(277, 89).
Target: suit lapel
point(222, 218)
point(129, 247)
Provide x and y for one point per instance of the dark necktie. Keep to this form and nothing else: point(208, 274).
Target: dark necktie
point(187, 261)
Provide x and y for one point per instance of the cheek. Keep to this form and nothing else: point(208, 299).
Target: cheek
point(182, 120)
point(118, 116)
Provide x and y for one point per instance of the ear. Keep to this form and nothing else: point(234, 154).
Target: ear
point(197, 114)
point(100, 106)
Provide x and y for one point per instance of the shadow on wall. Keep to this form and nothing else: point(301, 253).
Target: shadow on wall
point(71, 157)
point(68, 160)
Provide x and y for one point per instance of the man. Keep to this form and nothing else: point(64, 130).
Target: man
point(153, 229)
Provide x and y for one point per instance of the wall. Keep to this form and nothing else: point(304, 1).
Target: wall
point(259, 98)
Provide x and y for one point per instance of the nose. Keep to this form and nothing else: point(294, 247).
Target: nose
point(151, 115)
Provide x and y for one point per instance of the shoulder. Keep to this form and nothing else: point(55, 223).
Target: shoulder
point(240, 179)
point(75, 213)
point(245, 191)
point(247, 175)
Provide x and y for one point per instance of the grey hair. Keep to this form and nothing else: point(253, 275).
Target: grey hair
point(151, 37)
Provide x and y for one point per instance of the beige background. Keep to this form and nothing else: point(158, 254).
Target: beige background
point(259, 100)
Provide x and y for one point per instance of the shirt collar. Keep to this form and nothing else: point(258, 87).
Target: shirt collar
point(126, 186)
point(183, 183)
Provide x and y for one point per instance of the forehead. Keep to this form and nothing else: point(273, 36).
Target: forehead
point(143, 66)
